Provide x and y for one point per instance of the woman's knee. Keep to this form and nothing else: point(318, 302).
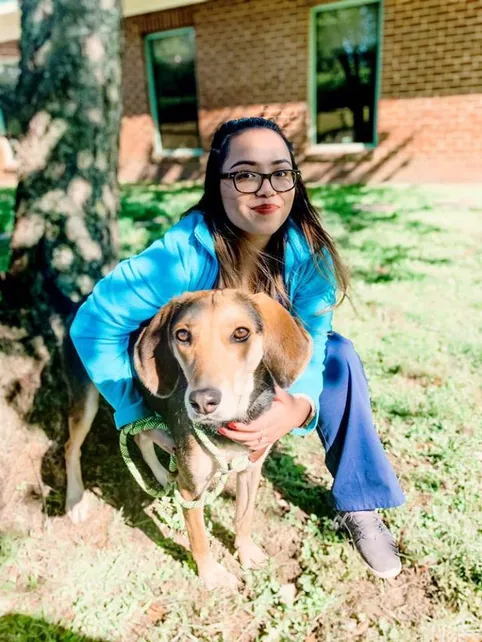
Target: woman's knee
point(336, 361)
point(341, 358)
point(341, 347)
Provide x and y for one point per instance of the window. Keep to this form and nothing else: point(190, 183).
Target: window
point(171, 74)
point(345, 71)
point(9, 70)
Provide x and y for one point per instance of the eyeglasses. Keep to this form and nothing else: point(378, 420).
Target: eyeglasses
point(282, 180)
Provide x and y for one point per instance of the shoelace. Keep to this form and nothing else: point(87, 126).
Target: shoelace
point(359, 528)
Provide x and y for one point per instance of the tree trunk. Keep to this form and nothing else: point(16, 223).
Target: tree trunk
point(68, 112)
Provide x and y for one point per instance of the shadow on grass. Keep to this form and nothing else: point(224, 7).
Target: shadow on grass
point(152, 210)
point(107, 476)
point(291, 480)
point(15, 627)
point(347, 203)
point(390, 263)
point(156, 209)
point(7, 200)
point(358, 208)
point(148, 211)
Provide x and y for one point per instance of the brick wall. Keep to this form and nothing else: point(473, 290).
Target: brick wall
point(137, 128)
point(9, 49)
point(432, 48)
point(252, 59)
point(430, 117)
point(8, 163)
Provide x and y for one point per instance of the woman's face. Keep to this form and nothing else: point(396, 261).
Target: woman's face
point(259, 215)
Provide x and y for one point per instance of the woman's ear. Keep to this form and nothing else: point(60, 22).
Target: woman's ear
point(287, 346)
point(154, 363)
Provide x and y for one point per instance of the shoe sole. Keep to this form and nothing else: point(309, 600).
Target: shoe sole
point(385, 575)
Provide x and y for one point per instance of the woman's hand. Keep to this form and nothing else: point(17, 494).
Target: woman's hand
point(286, 412)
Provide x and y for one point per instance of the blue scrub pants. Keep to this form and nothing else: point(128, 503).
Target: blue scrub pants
point(363, 476)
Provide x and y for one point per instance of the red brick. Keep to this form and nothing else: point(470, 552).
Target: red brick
point(252, 59)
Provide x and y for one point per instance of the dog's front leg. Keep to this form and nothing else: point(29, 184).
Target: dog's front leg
point(145, 441)
point(247, 482)
point(211, 573)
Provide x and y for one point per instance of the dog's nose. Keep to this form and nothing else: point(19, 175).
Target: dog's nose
point(205, 401)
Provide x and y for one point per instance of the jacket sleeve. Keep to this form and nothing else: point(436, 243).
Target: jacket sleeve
point(315, 293)
point(132, 293)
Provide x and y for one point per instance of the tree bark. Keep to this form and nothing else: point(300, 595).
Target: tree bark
point(68, 115)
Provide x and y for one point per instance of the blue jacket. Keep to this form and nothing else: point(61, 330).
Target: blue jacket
point(185, 260)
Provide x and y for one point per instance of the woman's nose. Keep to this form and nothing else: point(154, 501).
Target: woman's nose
point(266, 189)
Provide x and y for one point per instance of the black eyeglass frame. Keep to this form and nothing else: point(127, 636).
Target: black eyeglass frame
point(232, 176)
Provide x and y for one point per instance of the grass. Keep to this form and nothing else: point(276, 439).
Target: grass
point(416, 322)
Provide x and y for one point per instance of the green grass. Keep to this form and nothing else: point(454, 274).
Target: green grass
point(22, 628)
point(416, 322)
point(7, 197)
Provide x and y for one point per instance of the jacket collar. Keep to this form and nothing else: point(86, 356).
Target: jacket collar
point(297, 249)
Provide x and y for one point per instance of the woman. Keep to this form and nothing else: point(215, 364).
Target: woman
point(255, 228)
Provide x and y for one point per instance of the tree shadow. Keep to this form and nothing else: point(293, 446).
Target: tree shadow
point(382, 163)
point(291, 479)
point(16, 627)
point(359, 167)
point(347, 204)
point(103, 468)
point(106, 475)
point(7, 199)
point(293, 483)
point(349, 207)
point(152, 210)
point(167, 170)
point(391, 265)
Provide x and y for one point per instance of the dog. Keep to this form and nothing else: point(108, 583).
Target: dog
point(208, 357)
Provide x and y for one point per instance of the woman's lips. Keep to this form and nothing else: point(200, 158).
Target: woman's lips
point(266, 209)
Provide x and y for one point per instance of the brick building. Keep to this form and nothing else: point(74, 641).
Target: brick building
point(368, 90)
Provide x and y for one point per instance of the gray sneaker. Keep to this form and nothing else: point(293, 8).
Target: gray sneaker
point(373, 541)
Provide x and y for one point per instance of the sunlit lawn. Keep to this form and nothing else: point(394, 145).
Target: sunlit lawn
point(416, 321)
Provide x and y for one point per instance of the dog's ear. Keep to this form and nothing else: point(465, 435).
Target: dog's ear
point(155, 365)
point(287, 346)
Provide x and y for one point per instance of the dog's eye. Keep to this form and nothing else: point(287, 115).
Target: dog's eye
point(183, 336)
point(241, 334)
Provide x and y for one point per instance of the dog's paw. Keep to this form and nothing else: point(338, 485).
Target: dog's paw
point(77, 508)
point(251, 555)
point(215, 576)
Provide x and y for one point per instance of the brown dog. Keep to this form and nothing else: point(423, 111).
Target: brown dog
point(213, 357)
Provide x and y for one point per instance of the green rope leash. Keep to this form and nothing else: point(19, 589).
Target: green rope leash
point(148, 423)
point(237, 464)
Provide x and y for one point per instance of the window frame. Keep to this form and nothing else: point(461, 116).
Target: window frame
point(7, 60)
point(151, 88)
point(341, 147)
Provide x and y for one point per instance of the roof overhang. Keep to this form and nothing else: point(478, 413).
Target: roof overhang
point(137, 7)
point(10, 13)
point(9, 21)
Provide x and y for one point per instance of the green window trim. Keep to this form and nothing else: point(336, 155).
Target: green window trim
point(13, 62)
point(343, 4)
point(158, 146)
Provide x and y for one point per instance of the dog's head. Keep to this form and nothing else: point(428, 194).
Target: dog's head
point(219, 339)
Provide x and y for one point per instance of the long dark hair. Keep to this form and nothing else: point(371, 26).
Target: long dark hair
point(228, 241)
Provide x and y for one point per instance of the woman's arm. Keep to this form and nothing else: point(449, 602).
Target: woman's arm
point(132, 293)
point(315, 293)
